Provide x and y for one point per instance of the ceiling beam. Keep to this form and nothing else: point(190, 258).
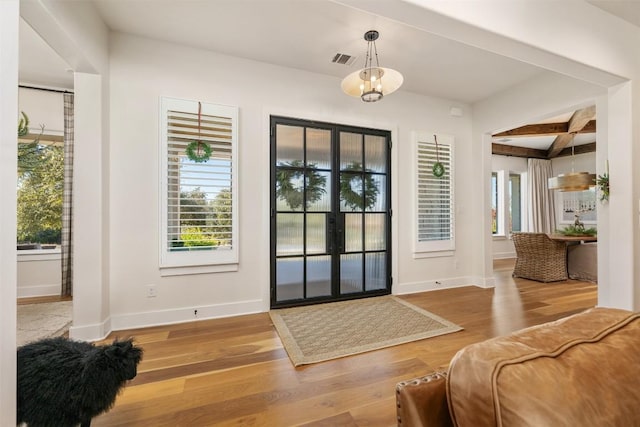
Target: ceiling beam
point(578, 149)
point(513, 151)
point(590, 127)
point(578, 121)
point(559, 144)
point(545, 129)
point(542, 129)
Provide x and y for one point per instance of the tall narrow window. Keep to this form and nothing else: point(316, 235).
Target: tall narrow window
point(434, 211)
point(515, 217)
point(494, 202)
point(199, 184)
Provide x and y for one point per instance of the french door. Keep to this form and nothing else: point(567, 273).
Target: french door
point(330, 212)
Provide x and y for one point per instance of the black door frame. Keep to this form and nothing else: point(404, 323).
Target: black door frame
point(335, 227)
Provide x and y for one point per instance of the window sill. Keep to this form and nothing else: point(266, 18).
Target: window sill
point(39, 255)
point(499, 237)
point(434, 254)
point(200, 269)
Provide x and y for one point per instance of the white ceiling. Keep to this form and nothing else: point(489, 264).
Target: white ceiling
point(39, 65)
point(307, 34)
point(298, 34)
point(629, 10)
point(303, 35)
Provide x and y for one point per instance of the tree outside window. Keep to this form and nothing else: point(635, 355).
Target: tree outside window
point(40, 188)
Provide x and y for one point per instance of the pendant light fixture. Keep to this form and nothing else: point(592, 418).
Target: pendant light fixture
point(574, 181)
point(371, 83)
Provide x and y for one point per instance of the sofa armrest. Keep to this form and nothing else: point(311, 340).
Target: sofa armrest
point(422, 402)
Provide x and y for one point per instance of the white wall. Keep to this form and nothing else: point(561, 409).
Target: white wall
point(579, 163)
point(9, 18)
point(502, 246)
point(39, 273)
point(140, 74)
point(43, 108)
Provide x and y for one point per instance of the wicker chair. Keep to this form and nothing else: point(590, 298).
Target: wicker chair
point(539, 257)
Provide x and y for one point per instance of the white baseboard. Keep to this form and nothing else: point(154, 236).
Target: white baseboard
point(484, 282)
point(38, 290)
point(93, 332)
point(186, 314)
point(432, 285)
point(503, 255)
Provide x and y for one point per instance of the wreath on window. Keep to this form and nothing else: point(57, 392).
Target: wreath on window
point(352, 198)
point(438, 167)
point(199, 151)
point(293, 194)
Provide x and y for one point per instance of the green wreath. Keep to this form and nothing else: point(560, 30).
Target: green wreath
point(294, 196)
point(438, 170)
point(353, 199)
point(198, 151)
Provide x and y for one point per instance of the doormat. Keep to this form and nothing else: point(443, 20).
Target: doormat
point(322, 332)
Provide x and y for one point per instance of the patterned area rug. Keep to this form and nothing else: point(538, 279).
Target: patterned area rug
point(322, 332)
point(43, 320)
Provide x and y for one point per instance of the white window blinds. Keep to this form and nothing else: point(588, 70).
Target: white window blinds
point(199, 225)
point(434, 207)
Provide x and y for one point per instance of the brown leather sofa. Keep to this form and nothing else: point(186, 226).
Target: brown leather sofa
point(583, 370)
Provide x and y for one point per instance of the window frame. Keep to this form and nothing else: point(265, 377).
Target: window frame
point(433, 248)
point(505, 203)
point(513, 205)
point(495, 197)
point(202, 261)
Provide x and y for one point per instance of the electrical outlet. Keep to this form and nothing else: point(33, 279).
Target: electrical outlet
point(152, 291)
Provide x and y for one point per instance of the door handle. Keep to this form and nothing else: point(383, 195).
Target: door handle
point(331, 231)
point(340, 233)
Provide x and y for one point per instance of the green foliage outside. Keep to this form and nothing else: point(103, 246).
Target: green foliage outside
point(197, 212)
point(193, 208)
point(193, 236)
point(40, 187)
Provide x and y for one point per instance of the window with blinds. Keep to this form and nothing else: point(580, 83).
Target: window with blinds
point(199, 194)
point(434, 210)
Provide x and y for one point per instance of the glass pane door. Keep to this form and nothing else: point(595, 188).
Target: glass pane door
point(363, 212)
point(329, 230)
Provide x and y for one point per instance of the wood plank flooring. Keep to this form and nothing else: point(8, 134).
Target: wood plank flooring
point(235, 372)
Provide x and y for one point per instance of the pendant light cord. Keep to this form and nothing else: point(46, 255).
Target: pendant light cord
point(199, 118)
point(573, 135)
point(199, 126)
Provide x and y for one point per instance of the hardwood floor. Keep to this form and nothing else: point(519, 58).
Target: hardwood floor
point(234, 371)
